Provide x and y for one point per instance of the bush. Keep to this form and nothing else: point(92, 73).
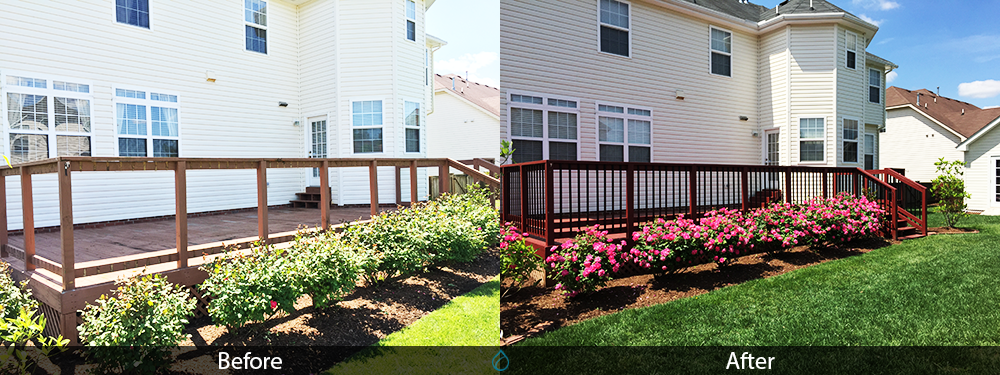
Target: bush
point(517, 259)
point(251, 287)
point(327, 268)
point(585, 263)
point(13, 297)
point(20, 324)
point(949, 188)
point(147, 314)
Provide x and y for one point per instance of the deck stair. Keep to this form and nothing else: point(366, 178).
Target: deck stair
point(308, 199)
point(905, 231)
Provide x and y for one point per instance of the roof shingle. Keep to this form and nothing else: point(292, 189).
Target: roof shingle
point(964, 118)
point(482, 95)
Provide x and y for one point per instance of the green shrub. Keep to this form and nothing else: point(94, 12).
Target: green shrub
point(517, 259)
point(131, 331)
point(13, 297)
point(327, 268)
point(251, 287)
point(949, 188)
point(20, 324)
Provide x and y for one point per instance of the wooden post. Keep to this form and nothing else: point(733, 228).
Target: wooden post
point(444, 178)
point(324, 194)
point(693, 191)
point(895, 217)
point(788, 184)
point(629, 200)
point(550, 233)
point(3, 216)
point(399, 186)
point(745, 186)
point(524, 204)
point(262, 201)
point(826, 172)
point(67, 328)
point(66, 227)
point(413, 182)
point(28, 215)
point(373, 183)
point(180, 218)
point(857, 183)
point(923, 209)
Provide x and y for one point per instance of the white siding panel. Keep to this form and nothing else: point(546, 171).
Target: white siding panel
point(914, 142)
point(460, 130)
point(812, 84)
point(980, 177)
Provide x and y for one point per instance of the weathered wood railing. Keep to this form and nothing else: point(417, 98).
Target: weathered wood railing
point(911, 198)
point(553, 199)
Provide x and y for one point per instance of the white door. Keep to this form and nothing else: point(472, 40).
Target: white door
point(316, 144)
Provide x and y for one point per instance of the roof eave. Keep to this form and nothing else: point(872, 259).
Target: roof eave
point(964, 146)
point(435, 42)
point(799, 18)
point(961, 137)
point(711, 15)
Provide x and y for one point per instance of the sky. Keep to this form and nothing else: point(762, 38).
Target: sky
point(472, 30)
point(954, 44)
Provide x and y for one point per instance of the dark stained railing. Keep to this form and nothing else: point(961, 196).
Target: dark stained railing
point(553, 199)
point(911, 198)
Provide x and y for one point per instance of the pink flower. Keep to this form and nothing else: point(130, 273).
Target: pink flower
point(274, 305)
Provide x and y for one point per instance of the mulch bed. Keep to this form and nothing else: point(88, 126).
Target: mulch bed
point(364, 317)
point(533, 310)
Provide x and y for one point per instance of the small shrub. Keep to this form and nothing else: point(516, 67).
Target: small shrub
point(20, 324)
point(517, 259)
point(328, 269)
point(251, 287)
point(13, 297)
point(131, 331)
point(585, 263)
point(949, 188)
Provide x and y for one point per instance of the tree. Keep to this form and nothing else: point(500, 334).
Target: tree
point(949, 188)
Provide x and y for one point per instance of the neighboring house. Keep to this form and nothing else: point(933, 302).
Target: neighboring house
point(466, 120)
point(922, 127)
point(233, 78)
point(683, 81)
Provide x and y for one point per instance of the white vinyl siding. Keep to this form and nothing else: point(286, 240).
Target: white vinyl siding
point(813, 89)
point(772, 89)
point(981, 172)
point(914, 142)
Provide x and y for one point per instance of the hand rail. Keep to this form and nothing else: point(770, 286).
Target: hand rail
point(894, 211)
point(905, 180)
point(923, 193)
point(492, 182)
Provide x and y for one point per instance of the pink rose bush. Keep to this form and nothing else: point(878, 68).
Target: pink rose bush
point(585, 263)
point(517, 258)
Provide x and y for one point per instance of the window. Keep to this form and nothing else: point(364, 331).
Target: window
point(412, 126)
point(47, 121)
point(869, 152)
point(996, 163)
point(147, 127)
point(614, 27)
point(411, 20)
point(722, 52)
point(811, 135)
point(255, 19)
point(367, 122)
point(427, 66)
point(850, 141)
point(874, 86)
point(539, 131)
point(852, 46)
point(132, 12)
point(317, 131)
point(623, 135)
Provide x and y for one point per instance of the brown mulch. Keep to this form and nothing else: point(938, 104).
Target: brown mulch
point(364, 317)
point(947, 230)
point(533, 310)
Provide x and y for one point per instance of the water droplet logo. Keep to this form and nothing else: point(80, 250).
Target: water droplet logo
point(499, 359)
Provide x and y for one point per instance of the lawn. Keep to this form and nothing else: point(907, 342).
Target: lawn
point(938, 290)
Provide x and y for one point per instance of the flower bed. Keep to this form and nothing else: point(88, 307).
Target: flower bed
point(719, 236)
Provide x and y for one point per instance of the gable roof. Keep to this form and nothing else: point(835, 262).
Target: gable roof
point(757, 13)
point(963, 118)
point(486, 97)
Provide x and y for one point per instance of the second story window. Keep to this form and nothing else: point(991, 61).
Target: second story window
point(411, 20)
point(874, 86)
point(132, 12)
point(255, 19)
point(722, 52)
point(615, 27)
point(852, 47)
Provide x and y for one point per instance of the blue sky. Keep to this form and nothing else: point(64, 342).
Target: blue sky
point(954, 44)
point(472, 30)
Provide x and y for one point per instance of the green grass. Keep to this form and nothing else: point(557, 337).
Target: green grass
point(938, 290)
point(453, 339)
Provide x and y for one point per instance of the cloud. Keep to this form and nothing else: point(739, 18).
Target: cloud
point(470, 63)
point(986, 59)
point(979, 89)
point(886, 41)
point(877, 4)
point(870, 20)
point(891, 76)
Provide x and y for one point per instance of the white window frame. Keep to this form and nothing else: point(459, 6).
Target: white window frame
point(427, 66)
point(267, 38)
point(627, 30)
point(625, 116)
point(879, 85)
point(874, 153)
point(421, 121)
point(996, 174)
point(857, 141)
point(114, 17)
point(847, 38)
point(545, 108)
point(50, 93)
point(406, 12)
point(352, 127)
point(821, 139)
point(711, 50)
point(149, 103)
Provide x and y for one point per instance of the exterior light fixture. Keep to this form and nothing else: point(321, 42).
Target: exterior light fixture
point(209, 76)
point(296, 123)
point(282, 104)
point(744, 118)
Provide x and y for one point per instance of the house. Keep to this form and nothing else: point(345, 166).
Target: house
point(466, 119)
point(684, 81)
point(233, 78)
point(922, 127)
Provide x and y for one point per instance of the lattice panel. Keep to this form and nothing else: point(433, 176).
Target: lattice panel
point(52, 320)
point(201, 308)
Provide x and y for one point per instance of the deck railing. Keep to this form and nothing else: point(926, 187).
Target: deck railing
point(553, 199)
point(911, 198)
